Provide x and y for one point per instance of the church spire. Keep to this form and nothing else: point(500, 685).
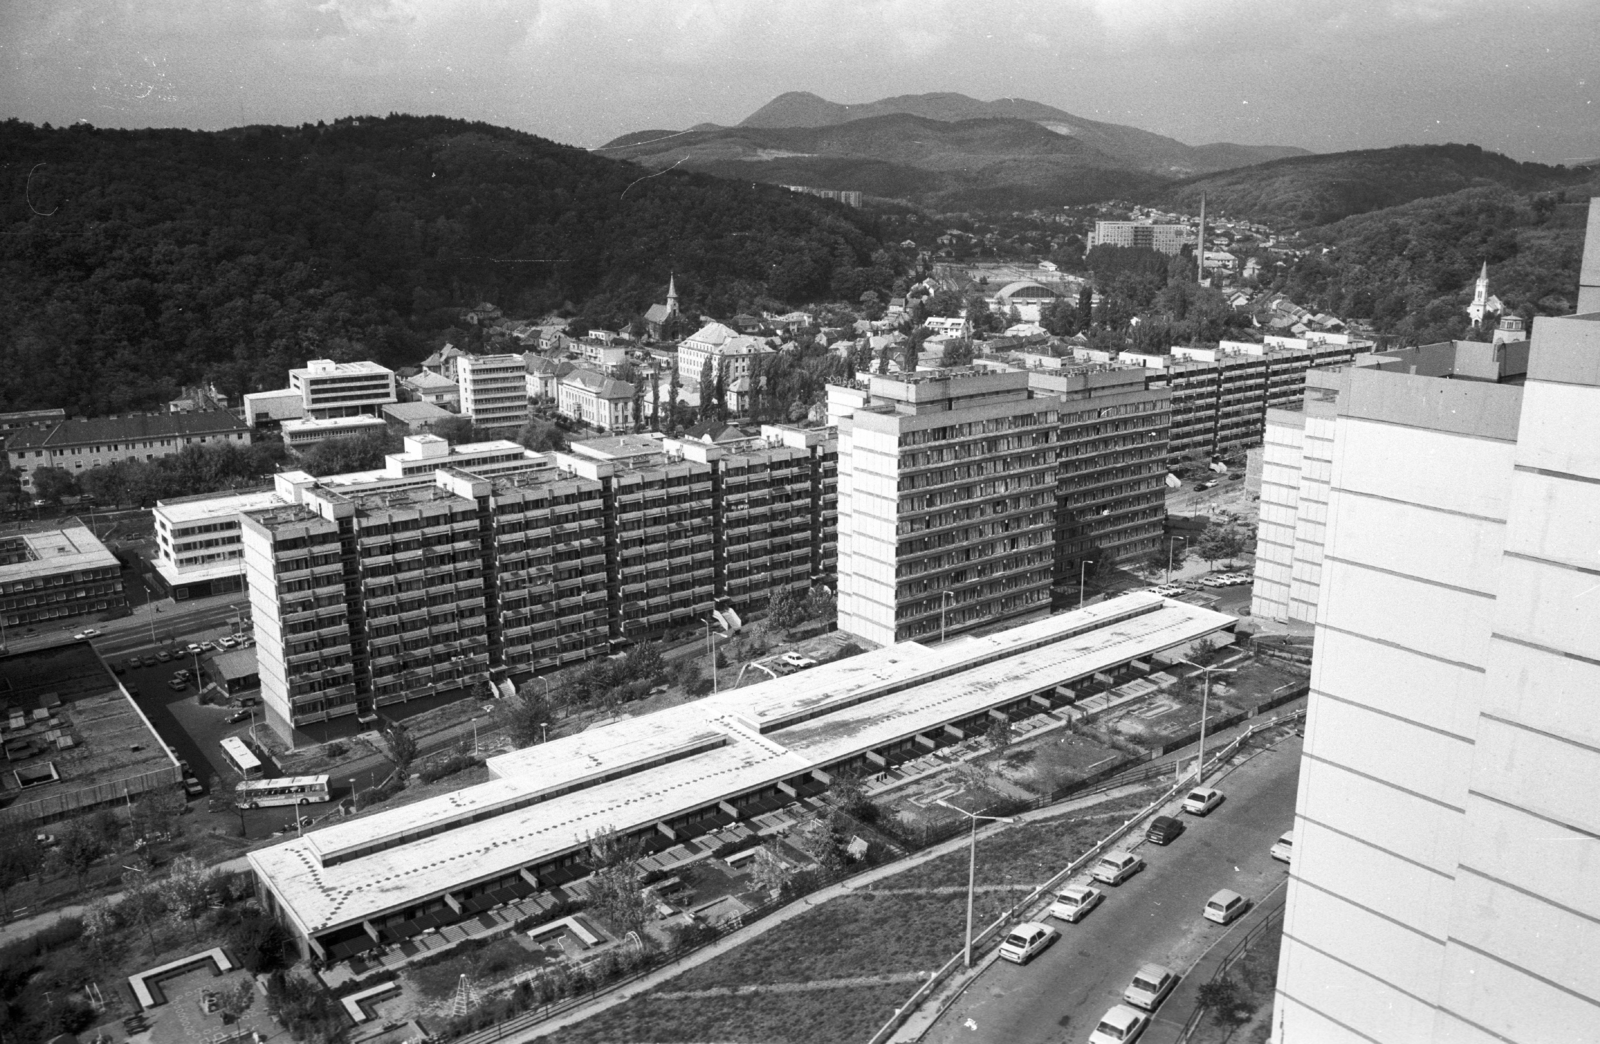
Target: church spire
point(672, 291)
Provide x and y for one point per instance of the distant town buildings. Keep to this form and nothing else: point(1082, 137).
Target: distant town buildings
point(77, 445)
point(1165, 239)
point(849, 197)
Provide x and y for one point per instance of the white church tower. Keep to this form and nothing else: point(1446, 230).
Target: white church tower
point(1482, 302)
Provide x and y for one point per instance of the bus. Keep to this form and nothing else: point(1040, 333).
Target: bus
point(239, 758)
point(285, 790)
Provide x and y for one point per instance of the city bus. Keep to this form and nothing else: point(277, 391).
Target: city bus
point(286, 790)
point(239, 758)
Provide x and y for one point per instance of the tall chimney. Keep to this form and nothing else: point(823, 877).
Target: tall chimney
point(1589, 274)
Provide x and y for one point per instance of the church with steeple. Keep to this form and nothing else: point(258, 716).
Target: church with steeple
point(661, 318)
point(1483, 303)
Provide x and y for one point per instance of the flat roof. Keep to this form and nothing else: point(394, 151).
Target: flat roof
point(53, 551)
point(208, 506)
point(332, 423)
point(549, 800)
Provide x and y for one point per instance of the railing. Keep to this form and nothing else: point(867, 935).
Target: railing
point(1270, 922)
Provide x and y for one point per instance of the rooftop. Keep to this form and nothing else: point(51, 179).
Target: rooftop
point(547, 801)
point(100, 430)
point(47, 552)
point(205, 506)
point(329, 368)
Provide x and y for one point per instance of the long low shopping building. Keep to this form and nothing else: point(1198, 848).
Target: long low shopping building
point(674, 774)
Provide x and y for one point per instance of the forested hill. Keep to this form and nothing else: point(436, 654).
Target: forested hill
point(1317, 190)
point(132, 262)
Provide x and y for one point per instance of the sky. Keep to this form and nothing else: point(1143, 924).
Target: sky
point(1326, 75)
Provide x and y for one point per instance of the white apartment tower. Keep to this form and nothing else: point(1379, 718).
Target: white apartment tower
point(947, 502)
point(1444, 884)
point(494, 389)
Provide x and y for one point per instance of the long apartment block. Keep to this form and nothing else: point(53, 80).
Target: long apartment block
point(366, 597)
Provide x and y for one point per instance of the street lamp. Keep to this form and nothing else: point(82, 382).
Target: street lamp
point(355, 803)
point(942, 596)
point(1205, 701)
point(544, 736)
point(1083, 565)
point(972, 862)
point(1169, 554)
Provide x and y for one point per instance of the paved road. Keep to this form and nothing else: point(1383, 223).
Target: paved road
point(1154, 916)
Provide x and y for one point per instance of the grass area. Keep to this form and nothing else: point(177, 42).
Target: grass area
point(861, 934)
point(1026, 854)
point(1051, 761)
point(1255, 976)
point(491, 962)
point(851, 1013)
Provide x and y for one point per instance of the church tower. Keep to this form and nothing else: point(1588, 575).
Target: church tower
point(1480, 297)
point(672, 294)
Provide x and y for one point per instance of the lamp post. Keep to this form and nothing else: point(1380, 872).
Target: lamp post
point(544, 736)
point(1205, 701)
point(972, 863)
point(1169, 554)
point(1083, 565)
point(355, 804)
point(942, 596)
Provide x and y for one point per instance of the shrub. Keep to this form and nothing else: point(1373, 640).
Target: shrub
point(438, 770)
point(847, 650)
point(336, 749)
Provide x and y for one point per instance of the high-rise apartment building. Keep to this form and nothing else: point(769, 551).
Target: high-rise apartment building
point(947, 489)
point(1111, 483)
point(1166, 239)
point(494, 389)
point(1442, 887)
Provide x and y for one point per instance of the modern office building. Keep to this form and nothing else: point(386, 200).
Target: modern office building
point(1297, 462)
point(665, 778)
point(1111, 480)
point(1442, 887)
point(947, 488)
point(494, 390)
point(304, 433)
point(1166, 239)
point(331, 389)
point(78, 445)
point(53, 573)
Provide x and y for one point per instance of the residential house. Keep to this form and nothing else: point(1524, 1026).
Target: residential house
point(435, 389)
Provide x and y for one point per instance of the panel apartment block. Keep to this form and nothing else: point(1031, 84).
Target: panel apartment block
point(946, 502)
point(494, 389)
point(1443, 880)
point(1111, 487)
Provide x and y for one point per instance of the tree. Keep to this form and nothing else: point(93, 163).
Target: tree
point(818, 838)
point(21, 857)
point(541, 436)
point(530, 715)
point(720, 388)
point(186, 890)
point(353, 453)
point(784, 610)
point(655, 401)
point(616, 897)
point(1213, 544)
point(236, 1001)
point(672, 400)
point(402, 747)
point(998, 735)
point(768, 870)
point(79, 845)
point(456, 430)
point(708, 387)
point(51, 485)
point(1225, 1001)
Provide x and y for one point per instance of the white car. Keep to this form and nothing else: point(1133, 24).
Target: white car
point(1150, 986)
point(1073, 904)
point(1201, 800)
point(86, 633)
point(1116, 868)
point(227, 641)
point(1119, 1026)
point(1283, 848)
point(194, 650)
point(1225, 907)
point(795, 660)
point(1026, 941)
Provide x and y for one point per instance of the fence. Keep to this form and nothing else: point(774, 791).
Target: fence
point(989, 933)
point(1267, 924)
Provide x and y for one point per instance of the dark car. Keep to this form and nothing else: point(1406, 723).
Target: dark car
point(163, 656)
point(238, 716)
point(1164, 830)
point(134, 662)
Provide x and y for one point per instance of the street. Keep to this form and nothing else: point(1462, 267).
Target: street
point(1153, 916)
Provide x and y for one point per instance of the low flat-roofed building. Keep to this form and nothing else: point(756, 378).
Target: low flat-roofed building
point(415, 416)
point(236, 671)
point(433, 388)
point(198, 552)
point(51, 573)
point(75, 740)
point(661, 777)
point(267, 410)
point(306, 432)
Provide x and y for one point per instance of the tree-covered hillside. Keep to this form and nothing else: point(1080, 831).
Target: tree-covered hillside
point(133, 262)
point(1410, 269)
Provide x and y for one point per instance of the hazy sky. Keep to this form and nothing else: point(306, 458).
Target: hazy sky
point(1323, 74)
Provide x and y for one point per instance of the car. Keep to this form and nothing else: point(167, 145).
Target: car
point(1150, 986)
point(227, 641)
point(1283, 848)
point(192, 787)
point(86, 634)
point(1026, 941)
point(1225, 907)
point(1207, 484)
point(134, 662)
point(1073, 904)
point(1117, 867)
point(797, 661)
point(194, 649)
point(1164, 830)
point(177, 685)
point(238, 716)
point(1169, 591)
point(1201, 800)
point(249, 701)
point(117, 668)
point(45, 840)
point(1119, 1026)
point(163, 656)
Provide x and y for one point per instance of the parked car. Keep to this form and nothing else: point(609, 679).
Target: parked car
point(1283, 848)
point(1026, 941)
point(1119, 1026)
point(1207, 484)
point(1201, 800)
point(1117, 867)
point(177, 685)
point(797, 661)
point(85, 634)
point(192, 787)
point(1150, 986)
point(163, 655)
point(194, 649)
point(1073, 904)
point(1225, 907)
point(1164, 830)
point(238, 716)
point(227, 641)
point(134, 662)
point(117, 668)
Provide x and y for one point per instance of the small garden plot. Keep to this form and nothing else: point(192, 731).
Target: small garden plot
point(917, 811)
point(1181, 718)
point(838, 1013)
point(1053, 761)
point(498, 959)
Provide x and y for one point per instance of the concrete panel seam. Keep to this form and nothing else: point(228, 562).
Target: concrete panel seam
point(1367, 909)
point(1410, 576)
point(1384, 783)
point(1419, 506)
point(1470, 741)
point(1528, 469)
point(1404, 648)
point(1557, 563)
point(1525, 810)
point(1425, 1002)
point(1569, 741)
point(1376, 847)
point(1447, 1013)
point(1554, 985)
point(1344, 1026)
point(1535, 896)
point(1540, 647)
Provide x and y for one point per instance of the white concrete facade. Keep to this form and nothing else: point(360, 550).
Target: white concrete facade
point(494, 390)
point(1443, 885)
